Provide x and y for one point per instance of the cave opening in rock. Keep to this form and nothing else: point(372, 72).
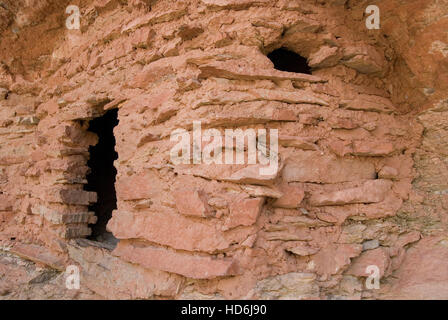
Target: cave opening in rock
point(101, 178)
point(286, 60)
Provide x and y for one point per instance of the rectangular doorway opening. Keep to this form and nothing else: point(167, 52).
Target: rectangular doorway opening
point(101, 178)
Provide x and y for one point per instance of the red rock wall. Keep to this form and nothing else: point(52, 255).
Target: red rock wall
point(362, 175)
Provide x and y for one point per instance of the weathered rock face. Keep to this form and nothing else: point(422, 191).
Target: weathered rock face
point(362, 175)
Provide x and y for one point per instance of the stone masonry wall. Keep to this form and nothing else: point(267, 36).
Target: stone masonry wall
point(363, 173)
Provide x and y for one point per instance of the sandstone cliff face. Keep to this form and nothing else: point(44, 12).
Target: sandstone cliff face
point(362, 178)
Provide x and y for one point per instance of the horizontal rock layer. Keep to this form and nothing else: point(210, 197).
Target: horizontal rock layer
point(361, 173)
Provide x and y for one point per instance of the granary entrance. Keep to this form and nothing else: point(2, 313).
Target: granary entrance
point(286, 60)
point(101, 178)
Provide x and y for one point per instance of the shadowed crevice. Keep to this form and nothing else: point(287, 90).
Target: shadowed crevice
point(286, 60)
point(101, 178)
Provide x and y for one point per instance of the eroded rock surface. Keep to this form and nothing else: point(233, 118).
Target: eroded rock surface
point(362, 176)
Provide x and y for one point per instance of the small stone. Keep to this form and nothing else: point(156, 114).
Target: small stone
point(244, 212)
point(376, 257)
point(3, 93)
point(191, 266)
point(4, 292)
point(369, 245)
point(388, 173)
point(192, 202)
point(292, 196)
point(325, 57)
point(372, 191)
point(260, 191)
point(217, 203)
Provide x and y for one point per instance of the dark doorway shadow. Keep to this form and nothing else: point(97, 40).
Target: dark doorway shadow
point(101, 178)
point(286, 60)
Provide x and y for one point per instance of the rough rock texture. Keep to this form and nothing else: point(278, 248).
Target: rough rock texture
point(363, 146)
point(24, 279)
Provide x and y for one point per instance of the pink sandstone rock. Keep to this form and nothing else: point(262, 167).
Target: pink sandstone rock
point(191, 266)
point(242, 71)
point(370, 192)
point(297, 142)
point(333, 258)
point(292, 196)
point(244, 212)
point(150, 74)
point(173, 230)
point(6, 202)
point(103, 273)
point(325, 57)
point(362, 146)
point(142, 38)
point(192, 203)
point(365, 59)
point(139, 186)
point(376, 257)
point(302, 168)
point(252, 175)
point(388, 173)
point(420, 275)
